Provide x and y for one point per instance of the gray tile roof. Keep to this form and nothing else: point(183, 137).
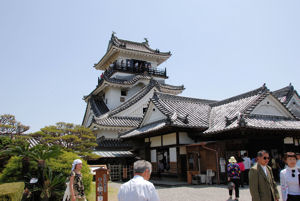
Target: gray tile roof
point(271, 122)
point(138, 96)
point(144, 130)
point(98, 106)
point(136, 78)
point(183, 111)
point(114, 154)
point(235, 112)
point(118, 121)
point(117, 143)
point(135, 46)
point(284, 94)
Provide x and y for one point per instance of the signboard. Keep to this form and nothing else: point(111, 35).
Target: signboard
point(101, 184)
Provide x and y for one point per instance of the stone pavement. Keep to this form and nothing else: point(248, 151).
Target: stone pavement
point(197, 193)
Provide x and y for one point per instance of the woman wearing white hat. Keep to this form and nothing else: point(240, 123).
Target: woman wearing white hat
point(233, 173)
point(76, 184)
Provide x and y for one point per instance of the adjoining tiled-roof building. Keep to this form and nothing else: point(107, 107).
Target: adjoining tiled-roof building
point(135, 113)
point(181, 130)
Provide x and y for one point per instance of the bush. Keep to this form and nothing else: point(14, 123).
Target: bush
point(11, 191)
point(13, 170)
point(63, 164)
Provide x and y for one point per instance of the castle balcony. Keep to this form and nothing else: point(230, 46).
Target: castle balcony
point(138, 69)
point(134, 69)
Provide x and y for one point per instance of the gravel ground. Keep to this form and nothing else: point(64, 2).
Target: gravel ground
point(196, 193)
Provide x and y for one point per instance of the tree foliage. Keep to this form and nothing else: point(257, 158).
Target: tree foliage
point(69, 136)
point(9, 125)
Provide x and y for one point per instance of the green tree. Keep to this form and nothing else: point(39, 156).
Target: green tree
point(70, 137)
point(9, 126)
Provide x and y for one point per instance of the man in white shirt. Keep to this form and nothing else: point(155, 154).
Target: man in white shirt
point(298, 160)
point(247, 164)
point(139, 188)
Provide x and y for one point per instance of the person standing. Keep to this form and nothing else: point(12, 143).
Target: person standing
point(298, 160)
point(139, 188)
point(76, 185)
point(289, 179)
point(242, 168)
point(233, 173)
point(247, 164)
point(261, 181)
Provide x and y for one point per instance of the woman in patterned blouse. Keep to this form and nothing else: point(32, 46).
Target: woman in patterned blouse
point(233, 173)
point(76, 184)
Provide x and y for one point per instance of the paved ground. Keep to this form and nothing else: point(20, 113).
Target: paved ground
point(195, 193)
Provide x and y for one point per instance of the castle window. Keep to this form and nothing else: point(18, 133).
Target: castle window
point(124, 92)
point(144, 110)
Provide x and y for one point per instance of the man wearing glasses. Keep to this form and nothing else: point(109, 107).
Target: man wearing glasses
point(261, 181)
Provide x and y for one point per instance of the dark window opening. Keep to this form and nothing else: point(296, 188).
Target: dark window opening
point(123, 92)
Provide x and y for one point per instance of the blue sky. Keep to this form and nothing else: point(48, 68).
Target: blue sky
point(219, 49)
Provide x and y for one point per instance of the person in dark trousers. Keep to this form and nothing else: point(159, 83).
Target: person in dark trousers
point(242, 168)
point(247, 164)
point(233, 173)
point(261, 180)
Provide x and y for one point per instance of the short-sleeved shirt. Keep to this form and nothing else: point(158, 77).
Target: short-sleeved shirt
point(137, 189)
point(78, 185)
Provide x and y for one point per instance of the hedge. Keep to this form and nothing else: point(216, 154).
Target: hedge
point(11, 191)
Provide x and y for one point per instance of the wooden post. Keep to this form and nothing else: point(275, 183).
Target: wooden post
point(101, 184)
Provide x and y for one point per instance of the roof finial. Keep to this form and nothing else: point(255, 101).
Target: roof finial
point(113, 33)
point(146, 40)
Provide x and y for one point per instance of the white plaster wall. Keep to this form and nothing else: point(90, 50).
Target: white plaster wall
point(113, 97)
point(134, 90)
point(169, 139)
point(153, 116)
point(155, 141)
point(294, 103)
point(153, 155)
point(273, 108)
point(182, 150)
point(107, 133)
point(136, 110)
point(184, 138)
point(173, 154)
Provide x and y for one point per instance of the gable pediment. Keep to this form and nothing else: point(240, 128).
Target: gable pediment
point(153, 115)
point(272, 107)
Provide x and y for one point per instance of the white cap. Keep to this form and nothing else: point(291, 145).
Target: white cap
point(75, 162)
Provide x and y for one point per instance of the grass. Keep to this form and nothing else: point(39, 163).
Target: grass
point(112, 193)
point(12, 190)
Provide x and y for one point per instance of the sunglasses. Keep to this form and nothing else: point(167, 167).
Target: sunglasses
point(293, 173)
point(266, 158)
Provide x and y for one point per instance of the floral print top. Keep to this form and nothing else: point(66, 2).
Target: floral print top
point(233, 170)
point(78, 185)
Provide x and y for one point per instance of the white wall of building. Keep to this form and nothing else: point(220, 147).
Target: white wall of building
point(294, 103)
point(184, 138)
point(155, 141)
point(270, 106)
point(173, 154)
point(153, 115)
point(136, 110)
point(112, 95)
point(182, 150)
point(153, 155)
point(169, 139)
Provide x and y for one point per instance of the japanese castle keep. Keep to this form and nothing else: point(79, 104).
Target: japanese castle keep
point(136, 114)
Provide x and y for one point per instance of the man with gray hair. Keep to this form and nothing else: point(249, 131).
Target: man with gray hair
point(139, 188)
point(261, 180)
